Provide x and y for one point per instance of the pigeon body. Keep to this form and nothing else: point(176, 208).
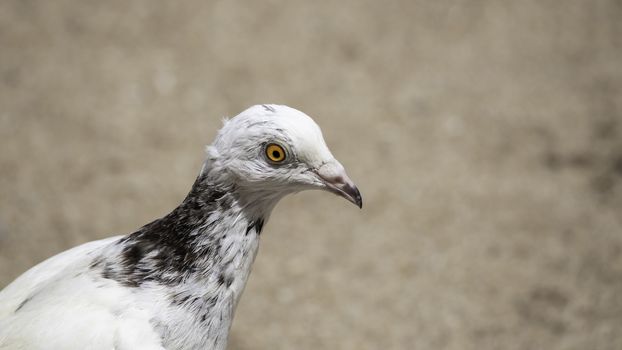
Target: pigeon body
point(175, 282)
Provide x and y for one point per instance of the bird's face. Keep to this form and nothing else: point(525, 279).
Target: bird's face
point(276, 150)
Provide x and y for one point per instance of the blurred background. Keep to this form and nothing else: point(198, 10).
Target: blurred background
point(485, 136)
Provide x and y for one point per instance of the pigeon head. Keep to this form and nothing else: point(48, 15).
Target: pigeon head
point(269, 151)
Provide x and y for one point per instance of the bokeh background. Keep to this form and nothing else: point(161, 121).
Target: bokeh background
point(485, 136)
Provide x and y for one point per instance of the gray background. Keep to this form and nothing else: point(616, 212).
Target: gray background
point(485, 136)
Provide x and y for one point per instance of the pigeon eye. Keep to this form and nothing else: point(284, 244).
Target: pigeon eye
point(275, 153)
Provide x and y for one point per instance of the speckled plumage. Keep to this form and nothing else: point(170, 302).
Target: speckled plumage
point(175, 282)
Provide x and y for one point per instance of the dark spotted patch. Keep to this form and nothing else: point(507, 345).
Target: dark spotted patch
point(96, 262)
point(24, 302)
point(257, 225)
point(178, 298)
point(166, 251)
point(211, 302)
point(225, 280)
point(269, 108)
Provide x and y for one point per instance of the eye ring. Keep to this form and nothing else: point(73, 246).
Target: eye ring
point(275, 153)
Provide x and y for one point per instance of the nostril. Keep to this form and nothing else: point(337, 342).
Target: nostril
point(339, 180)
point(335, 179)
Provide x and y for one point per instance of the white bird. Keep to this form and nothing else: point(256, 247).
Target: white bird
point(175, 283)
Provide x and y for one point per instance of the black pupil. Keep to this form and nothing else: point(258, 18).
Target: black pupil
point(276, 154)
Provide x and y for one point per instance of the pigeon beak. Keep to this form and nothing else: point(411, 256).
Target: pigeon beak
point(334, 177)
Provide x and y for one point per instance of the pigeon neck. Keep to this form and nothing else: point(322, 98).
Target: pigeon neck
point(196, 260)
point(209, 238)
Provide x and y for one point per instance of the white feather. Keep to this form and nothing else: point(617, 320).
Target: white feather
point(67, 306)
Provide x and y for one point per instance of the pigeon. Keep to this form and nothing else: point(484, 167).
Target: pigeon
point(175, 283)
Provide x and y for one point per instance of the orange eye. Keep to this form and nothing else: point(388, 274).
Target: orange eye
point(275, 153)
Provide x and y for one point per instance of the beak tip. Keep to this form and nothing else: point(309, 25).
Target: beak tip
point(357, 198)
point(341, 185)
